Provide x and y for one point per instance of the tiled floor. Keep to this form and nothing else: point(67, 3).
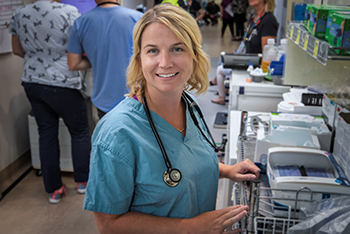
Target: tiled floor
point(25, 209)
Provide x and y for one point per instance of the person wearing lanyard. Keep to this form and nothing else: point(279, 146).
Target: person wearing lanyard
point(153, 163)
point(262, 25)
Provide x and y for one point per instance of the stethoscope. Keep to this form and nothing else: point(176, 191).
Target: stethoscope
point(172, 176)
point(103, 3)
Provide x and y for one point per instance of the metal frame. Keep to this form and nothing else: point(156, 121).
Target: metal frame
point(261, 217)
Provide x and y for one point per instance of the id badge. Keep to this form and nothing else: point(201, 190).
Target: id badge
point(241, 49)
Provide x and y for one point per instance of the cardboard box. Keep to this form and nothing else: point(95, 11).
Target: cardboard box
point(342, 142)
point(288, 138)
point(308, 14)
point(318, 19)
point(329, 108)
point(330, 16)
point(339, 33)
point(314, 124)
point(339, 110)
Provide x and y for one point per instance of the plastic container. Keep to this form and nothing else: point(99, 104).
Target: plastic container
point(277, 67)
point(250, 68)
point(277, 80)
point(270, 54)
point(299, 11)
point(287, 107)
point(258, 77)
point(282, 48)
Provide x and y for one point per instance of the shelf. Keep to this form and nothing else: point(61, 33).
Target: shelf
point(317, 48)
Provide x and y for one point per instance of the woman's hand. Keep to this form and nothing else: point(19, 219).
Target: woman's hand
point(242, 171)
point(215, 222)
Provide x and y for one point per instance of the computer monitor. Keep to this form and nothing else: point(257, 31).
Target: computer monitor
point(82, 5)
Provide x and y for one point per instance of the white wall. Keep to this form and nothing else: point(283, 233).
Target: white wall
point(14, 109)
point(133, 3)
point(336, 2)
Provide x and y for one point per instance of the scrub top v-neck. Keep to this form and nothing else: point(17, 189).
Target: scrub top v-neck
point(127, 166)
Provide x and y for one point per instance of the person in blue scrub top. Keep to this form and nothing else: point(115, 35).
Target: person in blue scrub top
point(126, 189)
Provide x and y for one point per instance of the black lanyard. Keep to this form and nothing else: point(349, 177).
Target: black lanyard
point(103, 3)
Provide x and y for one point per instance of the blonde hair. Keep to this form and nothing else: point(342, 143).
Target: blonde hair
point(270, 5)
point(186, 29)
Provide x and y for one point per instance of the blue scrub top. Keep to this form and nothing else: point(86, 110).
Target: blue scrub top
point(127, 166)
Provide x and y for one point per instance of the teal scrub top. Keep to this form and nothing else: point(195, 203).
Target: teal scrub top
point(127, 166)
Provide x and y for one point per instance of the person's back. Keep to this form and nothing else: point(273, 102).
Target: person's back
point(104, 34)
point(212, 8)
point(40, 34)
point(43, 30)
point(217, 8)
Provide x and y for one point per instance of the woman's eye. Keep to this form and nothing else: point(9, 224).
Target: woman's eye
point(152, 51)
point(178, 49)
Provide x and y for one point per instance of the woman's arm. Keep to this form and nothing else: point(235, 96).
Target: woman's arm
point(201, 14)
point(214, 222)
point(242, 171)
point(268, 29)
point(17, 47)
point(78, 62)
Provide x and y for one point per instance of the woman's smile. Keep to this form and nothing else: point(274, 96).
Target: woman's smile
point(171, 75)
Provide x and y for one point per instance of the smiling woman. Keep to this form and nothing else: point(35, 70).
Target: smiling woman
point(153, 169)
point(186, 30)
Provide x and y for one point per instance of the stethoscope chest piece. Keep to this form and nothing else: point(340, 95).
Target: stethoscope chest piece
point(173, 178)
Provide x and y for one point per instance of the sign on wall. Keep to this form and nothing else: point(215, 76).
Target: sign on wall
point(7, 8)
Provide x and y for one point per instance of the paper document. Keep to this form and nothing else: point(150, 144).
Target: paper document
point(228, 9)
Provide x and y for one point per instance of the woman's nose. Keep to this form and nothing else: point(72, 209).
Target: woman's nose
point(165, 60)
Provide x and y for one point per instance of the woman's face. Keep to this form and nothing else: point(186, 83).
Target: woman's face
point(165, 61)
point(256, 2)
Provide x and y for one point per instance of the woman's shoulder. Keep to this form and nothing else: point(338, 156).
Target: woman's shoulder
point(268, 16)
point(269, 19)
point(120, 120)
point(126, 109)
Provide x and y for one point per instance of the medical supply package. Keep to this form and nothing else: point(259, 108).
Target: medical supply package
point(339, 33)
point(318, 19)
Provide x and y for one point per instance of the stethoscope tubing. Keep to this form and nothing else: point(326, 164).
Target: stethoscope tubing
point(155, 132)
point(192, 104)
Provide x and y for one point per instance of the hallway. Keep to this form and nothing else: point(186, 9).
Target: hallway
point(26, 210)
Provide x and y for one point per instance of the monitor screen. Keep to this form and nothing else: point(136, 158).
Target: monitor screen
point(82, 5)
